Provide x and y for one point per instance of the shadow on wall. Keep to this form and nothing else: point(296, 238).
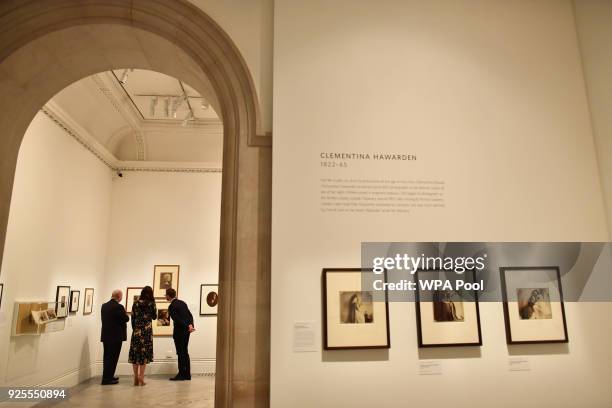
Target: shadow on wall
point(445, 353)
point(355, 355)
point(22, 357)
point(85, 363)
point(538, 349)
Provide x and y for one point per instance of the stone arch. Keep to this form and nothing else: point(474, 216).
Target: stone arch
point(47, 44)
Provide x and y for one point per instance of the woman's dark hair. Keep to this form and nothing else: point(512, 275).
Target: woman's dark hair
point(146, 295)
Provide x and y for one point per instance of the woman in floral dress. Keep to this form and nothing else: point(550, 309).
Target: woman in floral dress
point(141, 345)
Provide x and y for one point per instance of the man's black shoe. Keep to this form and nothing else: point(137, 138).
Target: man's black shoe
point(177, 378)
point(116, 378)
point(109, 382)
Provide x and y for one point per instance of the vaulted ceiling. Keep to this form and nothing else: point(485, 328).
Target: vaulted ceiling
point(142, 116)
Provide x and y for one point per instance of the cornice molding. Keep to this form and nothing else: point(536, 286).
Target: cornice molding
point(81, 136)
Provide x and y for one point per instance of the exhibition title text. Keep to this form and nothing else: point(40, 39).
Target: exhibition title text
point(368, 156)
point(412, 264)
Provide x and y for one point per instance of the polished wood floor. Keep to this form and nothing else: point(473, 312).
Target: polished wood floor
point(159, 393)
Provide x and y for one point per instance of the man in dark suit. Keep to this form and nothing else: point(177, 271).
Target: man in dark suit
point(183, 327)
point(114, 332)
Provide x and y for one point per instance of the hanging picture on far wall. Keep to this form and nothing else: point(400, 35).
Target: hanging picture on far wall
point(164, 277)
point(163, 325)
point(1, 293)
point(353, 318)
point(75, 297)
point(533, 305)
point(209, 300)
point(88, 303)
point(62, 301)
point(132, 294)
point(447, 317)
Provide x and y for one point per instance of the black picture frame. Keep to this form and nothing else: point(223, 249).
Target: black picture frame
point(72, 309)
point(1, 293)
point(509, 339)
point(202, 286)
point(58, 301)
point(326, 345)
point(417, 303)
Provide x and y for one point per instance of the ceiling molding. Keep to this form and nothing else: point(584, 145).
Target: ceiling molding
point(106, 84)
point(82, 136)
point(78, 133)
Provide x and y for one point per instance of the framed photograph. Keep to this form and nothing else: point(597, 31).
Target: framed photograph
point(352, 317)
point(163, 325)
point(62, 301)
point(75, 298)
point(132, 294)
point(209, 300)
point(533, 305)
point(447, 317)
point(164, 277)
point(89, 300)
point(1, 292)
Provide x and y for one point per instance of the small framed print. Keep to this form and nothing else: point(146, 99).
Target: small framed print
point(132, 294)
point(447, 316)
point(1, 293)
point(88, 302)
point(209, 300)
point(533, 305)
point(75, 297)
point(352, 317)
point(163, 325)
point(164, 277)
point(62, 301)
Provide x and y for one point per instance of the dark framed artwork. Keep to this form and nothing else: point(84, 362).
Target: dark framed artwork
point(75, 298)
point(62, 301)
point(132, 294)
point(1, 293)
point(88, 302)
point(165, 277)
point(533, 305)
point(448, 316)
point(353, 318)
point(163, 325)
point(209, 299)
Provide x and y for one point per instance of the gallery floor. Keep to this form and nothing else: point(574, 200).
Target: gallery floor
point(159, 392)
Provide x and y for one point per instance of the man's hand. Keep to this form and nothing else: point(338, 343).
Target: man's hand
point(191, 328)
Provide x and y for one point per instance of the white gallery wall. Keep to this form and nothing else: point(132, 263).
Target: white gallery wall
point(167, 219)
point(490, 98)
point(74, 222)
point(57, 235)
point(593, 19)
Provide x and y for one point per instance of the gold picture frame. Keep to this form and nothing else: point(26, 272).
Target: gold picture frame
point(164, 277)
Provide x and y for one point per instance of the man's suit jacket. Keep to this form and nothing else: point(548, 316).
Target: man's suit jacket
point(114, 322)
point(180, 314)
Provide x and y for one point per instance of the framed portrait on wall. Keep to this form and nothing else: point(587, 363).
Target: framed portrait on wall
point(164, 277)
point(75, 298)
point(62, 301)
point(132, 294)
point(163, 325)
point(88, 302)
point(1, 293)
point(447, 317)
point(353, 318)
point(209, 299)
point(533, 305)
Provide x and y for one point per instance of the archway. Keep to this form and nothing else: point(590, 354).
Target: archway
point(47, 44)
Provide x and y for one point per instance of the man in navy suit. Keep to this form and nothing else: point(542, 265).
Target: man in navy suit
point(114, 332)
point(183, 327)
